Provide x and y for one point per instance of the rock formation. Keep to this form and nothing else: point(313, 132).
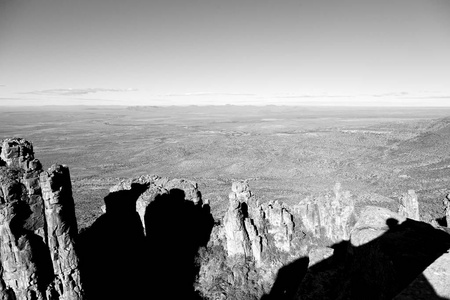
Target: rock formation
point(387, 252)
point(61, 231)
point(330, 217)
point(446, 203)
point(372, 223)
point(409, 206)
point(151, 231)
point(155, 186)
point(256, 230)
point(320, 249)
point(37, 228)
point(253, 241)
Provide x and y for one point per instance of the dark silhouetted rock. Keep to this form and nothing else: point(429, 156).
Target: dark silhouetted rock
point(151, 230)
point(156, 186)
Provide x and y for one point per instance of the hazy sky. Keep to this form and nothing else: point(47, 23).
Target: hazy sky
point(159, 52)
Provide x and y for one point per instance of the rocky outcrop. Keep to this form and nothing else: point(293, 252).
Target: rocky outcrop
point(154, 186)
point(409, 205)
point(330, 217)
point(61, 231)
point(386, 252)
point(446, 203)
point(372, 223)
point(256, 230)
point(320, 249)
point(251, 243)
point(151, 231)
point(37, 228)
point(16, 153)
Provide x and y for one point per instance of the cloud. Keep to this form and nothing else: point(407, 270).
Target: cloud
point(430, 97)
point(2, 85)
point(78, 92)
point(397, 94)
point(206, 94)
point(310, 96)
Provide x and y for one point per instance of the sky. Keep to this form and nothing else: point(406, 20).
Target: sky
point(183, 52)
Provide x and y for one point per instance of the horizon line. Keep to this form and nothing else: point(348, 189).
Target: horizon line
point(228, 105)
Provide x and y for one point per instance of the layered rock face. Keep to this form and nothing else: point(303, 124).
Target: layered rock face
point(37, 228)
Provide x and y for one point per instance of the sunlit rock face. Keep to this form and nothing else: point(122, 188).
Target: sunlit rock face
point(254, 229)
point(446, 203)
point(16, 153)
point(330, 216)
point(409, 206)
point(37, 228)
point(251, 243)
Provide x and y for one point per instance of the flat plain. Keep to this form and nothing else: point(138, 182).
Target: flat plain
point(286, 153)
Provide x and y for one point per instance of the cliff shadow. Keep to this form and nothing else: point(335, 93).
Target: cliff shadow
point(112, 250)
point(379, 269)
point(119, 261)
point(175, 229)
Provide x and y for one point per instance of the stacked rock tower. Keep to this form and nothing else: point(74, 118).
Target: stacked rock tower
point(37, 228)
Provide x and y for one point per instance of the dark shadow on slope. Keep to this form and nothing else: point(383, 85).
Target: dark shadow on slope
point(287, 281)
point(442, 221)
point(175, 229)
point(118, 261)
point(380, 269)
point(112, 250)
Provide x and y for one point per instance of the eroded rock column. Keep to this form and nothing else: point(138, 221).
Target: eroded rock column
point(62, 228)
point(37, 258)
point(24, 269)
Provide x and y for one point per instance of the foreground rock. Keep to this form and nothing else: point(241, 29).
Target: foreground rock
point(151, 231)
point(37, 228)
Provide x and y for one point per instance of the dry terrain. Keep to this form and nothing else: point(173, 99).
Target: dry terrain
point(286, 153)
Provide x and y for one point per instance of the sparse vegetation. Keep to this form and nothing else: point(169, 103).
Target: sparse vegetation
point(287, 153)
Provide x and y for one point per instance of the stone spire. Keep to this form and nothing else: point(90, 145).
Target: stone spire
point(37, 228)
